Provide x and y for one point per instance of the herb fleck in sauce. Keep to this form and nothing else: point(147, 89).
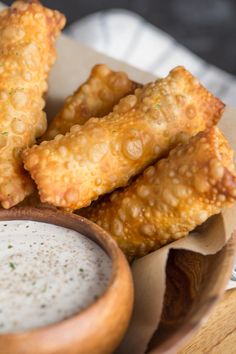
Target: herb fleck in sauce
point(48, 273)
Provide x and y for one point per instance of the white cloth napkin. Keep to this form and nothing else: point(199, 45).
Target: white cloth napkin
point(126, 36)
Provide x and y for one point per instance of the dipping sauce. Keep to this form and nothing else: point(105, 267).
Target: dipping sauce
point(48, 273)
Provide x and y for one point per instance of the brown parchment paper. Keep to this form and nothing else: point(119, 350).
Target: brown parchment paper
point(149, 279)
point(71, 69)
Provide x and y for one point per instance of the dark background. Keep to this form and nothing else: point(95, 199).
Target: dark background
point(206, 27)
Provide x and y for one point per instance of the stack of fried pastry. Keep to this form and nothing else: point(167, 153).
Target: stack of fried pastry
point(27, 35)
point(153, 150)
point(104, 153)
point(171, 197)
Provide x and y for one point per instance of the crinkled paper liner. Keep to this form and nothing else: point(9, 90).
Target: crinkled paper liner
point(72, 68)
point(150, 278)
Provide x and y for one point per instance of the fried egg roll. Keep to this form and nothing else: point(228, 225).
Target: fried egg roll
point(104, 153)
point(95, 98)
point(171, 197)
point(27, 35)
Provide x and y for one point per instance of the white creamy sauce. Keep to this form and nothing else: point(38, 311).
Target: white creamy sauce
point(47, 274)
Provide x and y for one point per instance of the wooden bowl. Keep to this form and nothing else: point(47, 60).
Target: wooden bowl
point(195, 283)
point(97, 329)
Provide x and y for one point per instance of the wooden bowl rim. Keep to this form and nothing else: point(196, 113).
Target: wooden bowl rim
point(100, 236)
point(186, 330)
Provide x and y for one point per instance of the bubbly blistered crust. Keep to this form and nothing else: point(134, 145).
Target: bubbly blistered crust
point(95, 98)
point(172, 197)
point(27, 34)
point(72, 170)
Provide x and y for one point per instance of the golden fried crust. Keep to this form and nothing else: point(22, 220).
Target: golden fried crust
point(72, 170)
point(95, 98)
point(172, 197)
point(27, 35)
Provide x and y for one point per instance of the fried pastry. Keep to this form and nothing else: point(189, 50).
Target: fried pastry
point(171, 197)
point(27, 35)
point(103, 154)
point(95, 98)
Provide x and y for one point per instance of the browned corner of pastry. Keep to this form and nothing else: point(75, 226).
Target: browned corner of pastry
point(115, 79)
point(220, 167)
point(56, 21)
point(223, 168)
point(59, 19)
point(100, 70)
point(32, 1)
point(211, 107)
